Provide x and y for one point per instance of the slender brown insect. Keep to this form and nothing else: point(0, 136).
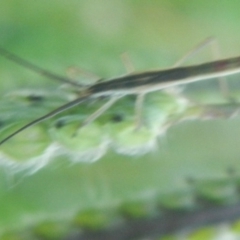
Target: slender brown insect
point(136, 83)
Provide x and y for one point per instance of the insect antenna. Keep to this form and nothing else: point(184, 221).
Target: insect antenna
point(49, 115)
point(20, 61)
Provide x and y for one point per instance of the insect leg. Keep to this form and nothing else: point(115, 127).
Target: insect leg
point(138, 110)
point(127, 63)
point(97, 113)
point(140, 97)
point(88, 77)
point(213, 43)
point(194, 51)
point(222, 82)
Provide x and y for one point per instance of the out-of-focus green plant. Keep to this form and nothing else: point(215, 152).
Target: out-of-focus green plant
point(109, 176)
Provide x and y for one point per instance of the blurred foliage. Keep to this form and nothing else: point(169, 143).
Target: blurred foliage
point(92, 35)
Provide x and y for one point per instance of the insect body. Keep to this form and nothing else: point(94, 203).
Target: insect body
point(137, 84)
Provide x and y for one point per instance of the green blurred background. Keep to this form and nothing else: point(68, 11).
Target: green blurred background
point(93, 34)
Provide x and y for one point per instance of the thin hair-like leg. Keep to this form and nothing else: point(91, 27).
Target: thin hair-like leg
point(222, 82)
point(98, 113)
point(127, 63)
point(194, 51)
point(188, 55)
point(73, 72)
point(213, 43)
point(138, 110)
point(140, 97)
